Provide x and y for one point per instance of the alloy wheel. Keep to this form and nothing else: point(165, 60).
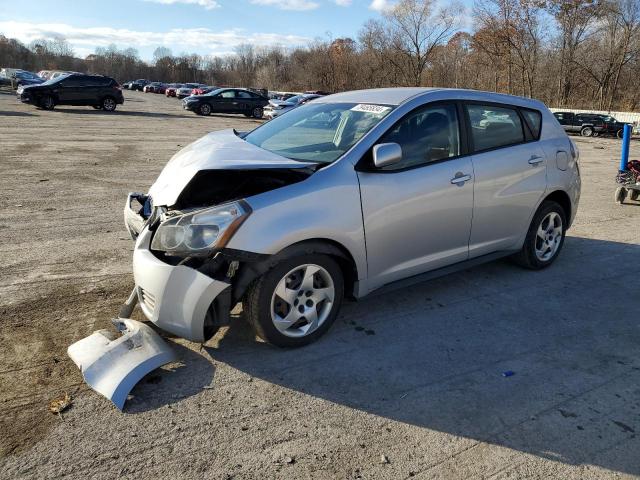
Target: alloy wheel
point(109, 104)
point(302, 300)
point(548, 237)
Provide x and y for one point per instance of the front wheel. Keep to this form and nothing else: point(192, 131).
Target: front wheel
point(620, 195)
point(205, 109)
point(620, 133)
point(47, 102)
point(296, 302)
point(545, 237)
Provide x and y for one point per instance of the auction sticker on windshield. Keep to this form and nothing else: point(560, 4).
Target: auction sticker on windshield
point(375, 109)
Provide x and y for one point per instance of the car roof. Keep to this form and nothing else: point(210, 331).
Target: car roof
point(399, 95)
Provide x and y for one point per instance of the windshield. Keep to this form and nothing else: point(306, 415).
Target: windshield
point(318, 132)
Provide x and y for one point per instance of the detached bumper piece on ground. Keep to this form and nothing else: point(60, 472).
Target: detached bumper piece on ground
point(113, 365)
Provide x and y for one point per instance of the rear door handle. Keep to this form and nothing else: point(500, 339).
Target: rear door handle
point(460, 178)
point(536, 159)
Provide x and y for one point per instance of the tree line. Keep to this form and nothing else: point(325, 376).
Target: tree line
point(573, 53)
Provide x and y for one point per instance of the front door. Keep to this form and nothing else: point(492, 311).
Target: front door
point(417, 213)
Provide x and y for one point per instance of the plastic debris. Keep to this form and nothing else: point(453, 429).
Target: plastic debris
point(508, 373)
point(59, 405)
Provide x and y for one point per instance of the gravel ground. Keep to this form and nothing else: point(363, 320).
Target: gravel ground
point(407, 384)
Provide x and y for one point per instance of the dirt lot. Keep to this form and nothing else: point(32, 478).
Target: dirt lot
point(408, 384)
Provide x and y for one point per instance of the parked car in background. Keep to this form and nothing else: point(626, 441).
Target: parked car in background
point(276, 108)
point(171, 89)
point(127, 85)
point(201, 90)
point(612, 126)
point(74, 89)
point(587, 125)
point(282, 95)
point(160, 88)
point(18, 78)
point(227, 100)
point(186, 89)
point(151, 87)
point(138, 84)
point(58, 73)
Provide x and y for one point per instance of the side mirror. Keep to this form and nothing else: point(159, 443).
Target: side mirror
point(385, 154)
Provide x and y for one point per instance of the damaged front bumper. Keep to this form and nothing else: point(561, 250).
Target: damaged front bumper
point(112, 366)
point(177, 298)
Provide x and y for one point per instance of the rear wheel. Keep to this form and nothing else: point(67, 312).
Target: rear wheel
point(296, 302)
point(545, 237)
point(257, 112)
point(204, 109)
point(108, 104)
point(620, 195)
point(633, 195)
point(586, 131)
point(620, 133)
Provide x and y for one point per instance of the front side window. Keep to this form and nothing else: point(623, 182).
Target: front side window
point(318, 132)
point(425, 135)
point(493, 127)
point(228, 94)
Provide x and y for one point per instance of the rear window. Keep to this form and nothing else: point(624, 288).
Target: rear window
point(494, 127)
point(534, 121)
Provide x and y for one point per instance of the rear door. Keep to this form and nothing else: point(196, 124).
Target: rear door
point(510, 175)
point(417, 213)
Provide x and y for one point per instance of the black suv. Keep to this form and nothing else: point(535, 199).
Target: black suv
point(612, 126)
point(586, 124)
point(75, 89)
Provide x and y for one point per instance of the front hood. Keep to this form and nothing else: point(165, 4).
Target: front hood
point(221, 150)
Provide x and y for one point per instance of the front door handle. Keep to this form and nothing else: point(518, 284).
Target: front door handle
point(535, 160)
point(460, 178)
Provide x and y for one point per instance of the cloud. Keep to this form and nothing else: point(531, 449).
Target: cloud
point(288, 4)
point(342, 3)
point(380, 5)
point(194, 39)
point(208, 4)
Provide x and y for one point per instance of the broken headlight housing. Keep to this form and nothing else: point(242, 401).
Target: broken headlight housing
point(197, 233)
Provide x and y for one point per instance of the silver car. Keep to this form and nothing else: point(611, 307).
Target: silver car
point(346, 195)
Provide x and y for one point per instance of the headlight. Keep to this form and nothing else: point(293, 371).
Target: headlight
point(199, 232)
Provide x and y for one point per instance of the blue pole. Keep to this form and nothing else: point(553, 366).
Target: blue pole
point(626, 140)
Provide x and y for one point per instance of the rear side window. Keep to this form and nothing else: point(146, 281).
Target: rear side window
point(493, 127)
point(534, 121)
point(228, 94)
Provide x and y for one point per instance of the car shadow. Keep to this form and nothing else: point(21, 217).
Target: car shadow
point(118, 112)
point(15, 114)
point(498, 354)
point(188, 376)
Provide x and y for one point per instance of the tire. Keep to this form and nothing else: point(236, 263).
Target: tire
point(109, 104)
point(545, 237)
point(586, 131)
point(620, 195)
point(264, 307)
point(620, 133)
point(257, 112)
point(204, 109)
point(47, 102)
point(633, 194)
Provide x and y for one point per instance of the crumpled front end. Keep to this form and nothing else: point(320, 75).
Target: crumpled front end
point(113, 365)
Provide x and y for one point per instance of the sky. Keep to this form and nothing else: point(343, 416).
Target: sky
point(206, 27)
